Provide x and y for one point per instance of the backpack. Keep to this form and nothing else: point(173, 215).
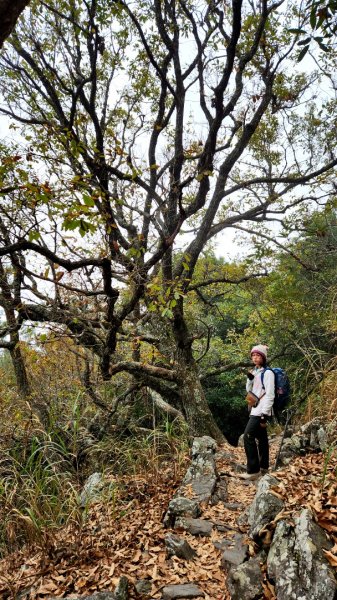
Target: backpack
point(282, 389)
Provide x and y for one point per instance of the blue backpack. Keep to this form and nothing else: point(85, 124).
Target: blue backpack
point(282, 389)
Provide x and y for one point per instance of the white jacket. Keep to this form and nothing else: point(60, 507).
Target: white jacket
point(267, 394)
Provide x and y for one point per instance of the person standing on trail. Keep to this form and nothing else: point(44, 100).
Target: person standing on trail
point(260, 398)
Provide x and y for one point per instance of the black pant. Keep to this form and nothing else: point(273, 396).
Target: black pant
point(256, 446)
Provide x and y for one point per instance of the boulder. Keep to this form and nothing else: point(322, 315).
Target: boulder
point(201, 477)
point(177, 546)
point(220, 492)
point(244, 582)
point(122, 589)
point(195, 526)
point(296, 562)
point(235, 551)
point(143, 587)
point(264, 507)
point(200, 482)
point(181, 507)
point(203, 445)
point(186, 590)
point(92, 489)
point(312, 437)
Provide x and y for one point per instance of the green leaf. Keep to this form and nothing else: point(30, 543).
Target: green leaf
point(297, 31)
point(88, 200)
point(34, 235)
point(304, 42)
point(302, 53)
point(313, 18)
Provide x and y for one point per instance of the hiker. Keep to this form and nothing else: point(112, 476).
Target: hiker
point(260, 400)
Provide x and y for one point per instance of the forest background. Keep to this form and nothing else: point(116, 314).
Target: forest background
point(142, 134)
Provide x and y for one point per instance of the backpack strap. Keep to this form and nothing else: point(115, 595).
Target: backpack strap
point(262, 375)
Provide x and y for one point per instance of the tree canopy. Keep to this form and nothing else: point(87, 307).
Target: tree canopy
point(146, 131)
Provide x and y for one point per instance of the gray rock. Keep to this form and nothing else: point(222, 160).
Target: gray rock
point(201, 477)
point(195, 526)
point(235, 551)
point(187, 590)
point(122, 589)
point(181, 507)
point(220, 493)
point(245, 581)
point(91, 489)
point(203, 445)
point(241, 441)
point(322, 437)
point(296, 562)
point(143, 587)
point(242, 518)
point(177, 546)
point(264, 507)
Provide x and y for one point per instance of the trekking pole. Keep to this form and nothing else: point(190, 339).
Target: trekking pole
point(289, 415)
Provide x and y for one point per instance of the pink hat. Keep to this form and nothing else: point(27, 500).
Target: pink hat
point(260, 349)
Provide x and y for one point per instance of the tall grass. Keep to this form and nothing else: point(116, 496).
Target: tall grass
point(39, 485)
point(145, 452)
point(37, 492)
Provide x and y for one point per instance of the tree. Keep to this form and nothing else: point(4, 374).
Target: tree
point(320, 17)
point(9, 14)
point(130, 190)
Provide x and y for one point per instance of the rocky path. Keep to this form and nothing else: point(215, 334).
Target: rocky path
point(162, 543)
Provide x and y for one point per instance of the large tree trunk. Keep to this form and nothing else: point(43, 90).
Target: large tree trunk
point(20, 370)
point(37, 405)
point(195, 407)
point(194, 404)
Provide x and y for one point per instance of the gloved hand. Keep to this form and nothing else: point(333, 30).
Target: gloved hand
point(250, 375)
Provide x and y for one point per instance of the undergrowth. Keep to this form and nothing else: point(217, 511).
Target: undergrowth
point(40, 487)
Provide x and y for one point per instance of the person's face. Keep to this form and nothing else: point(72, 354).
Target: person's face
point(257, 359)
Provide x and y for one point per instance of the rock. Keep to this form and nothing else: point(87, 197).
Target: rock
point(121, 591)
point(177, 546)
point(264, 507)
point(91, 489)
point(241, 443)
point(322, 437)
point(220, 492)
point(235, 551)
point(181, 507)
point(233, 505)
point(195, 526)
point(187, 590)
point(296, 562)
point(242, 518)
point(143, 587)
point(203, 445)
point(201, 478)
point(245, 581)
point(312, 437)
point(222, 527)
point(202, 475)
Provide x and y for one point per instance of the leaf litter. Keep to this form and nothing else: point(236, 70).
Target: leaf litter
point(127, 537)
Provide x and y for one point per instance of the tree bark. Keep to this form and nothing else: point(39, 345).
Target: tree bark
point(193, 400)
point(10, 11)
point(195, 407)
point(20, 370)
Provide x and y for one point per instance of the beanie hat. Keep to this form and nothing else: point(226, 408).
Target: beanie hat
point(260, 349)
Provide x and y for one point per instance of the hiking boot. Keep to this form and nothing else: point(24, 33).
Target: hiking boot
point(250, 476)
